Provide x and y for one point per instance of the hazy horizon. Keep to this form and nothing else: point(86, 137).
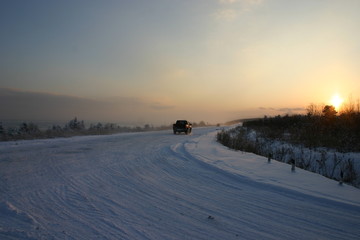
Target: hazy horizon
point(156, 61)
point(38, 107)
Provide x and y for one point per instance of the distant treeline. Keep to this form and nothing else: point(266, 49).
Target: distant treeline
point(320, 127)
point(321, 141)
point(75, 127)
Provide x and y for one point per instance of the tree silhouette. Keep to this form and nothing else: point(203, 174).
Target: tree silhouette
point(329, 111)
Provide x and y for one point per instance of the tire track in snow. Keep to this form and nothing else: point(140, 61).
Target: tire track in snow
point(148, 186)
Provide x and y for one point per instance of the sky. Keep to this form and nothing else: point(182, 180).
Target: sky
point(157, 61)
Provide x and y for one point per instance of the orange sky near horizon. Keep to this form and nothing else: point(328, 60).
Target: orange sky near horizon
point(155, 61)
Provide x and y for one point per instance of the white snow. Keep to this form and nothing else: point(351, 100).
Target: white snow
point(157, 185)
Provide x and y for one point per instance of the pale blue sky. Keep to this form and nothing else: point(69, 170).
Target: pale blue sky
point(212, 60)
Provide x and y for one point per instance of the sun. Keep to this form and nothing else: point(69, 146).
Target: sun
point(336, 101)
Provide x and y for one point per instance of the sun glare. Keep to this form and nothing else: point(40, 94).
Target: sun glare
point(336, 101)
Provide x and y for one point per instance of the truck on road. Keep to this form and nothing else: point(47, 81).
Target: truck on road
point(182, 126)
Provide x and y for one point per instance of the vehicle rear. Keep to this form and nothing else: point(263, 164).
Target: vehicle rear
point(182, 126)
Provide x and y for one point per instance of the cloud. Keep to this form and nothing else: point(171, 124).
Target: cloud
point(234, 8)
point(275, 111)
point(244, 2)
point(269, 111)
point(226, 14)
point(159, 106)
point(41, 106)
point(26, 105)
point(228, 1)
point(291, 110)
point(17, 104)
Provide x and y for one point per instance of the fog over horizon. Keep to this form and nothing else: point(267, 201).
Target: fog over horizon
point(39, 106)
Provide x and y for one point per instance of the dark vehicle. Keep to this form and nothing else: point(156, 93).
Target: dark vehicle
point(182, 126)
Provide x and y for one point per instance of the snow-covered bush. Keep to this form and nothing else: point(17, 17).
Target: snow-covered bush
point(29, 129)
point(327, 162)
point(75, 125)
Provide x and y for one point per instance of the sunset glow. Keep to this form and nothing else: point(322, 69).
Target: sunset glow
point(336, 101)
point(156, 61)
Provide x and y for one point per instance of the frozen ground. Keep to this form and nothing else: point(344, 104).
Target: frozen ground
point(157, 185)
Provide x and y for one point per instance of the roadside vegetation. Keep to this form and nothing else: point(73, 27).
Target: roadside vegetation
point(322, 140)
point(75, 127)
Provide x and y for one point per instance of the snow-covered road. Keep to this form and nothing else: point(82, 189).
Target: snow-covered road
point(157, 185)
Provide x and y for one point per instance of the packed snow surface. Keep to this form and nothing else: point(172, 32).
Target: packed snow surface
point(157, 185)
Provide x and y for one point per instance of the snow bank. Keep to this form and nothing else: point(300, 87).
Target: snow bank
point(257, 168)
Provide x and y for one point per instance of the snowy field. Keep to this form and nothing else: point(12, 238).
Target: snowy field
point(157, 185)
